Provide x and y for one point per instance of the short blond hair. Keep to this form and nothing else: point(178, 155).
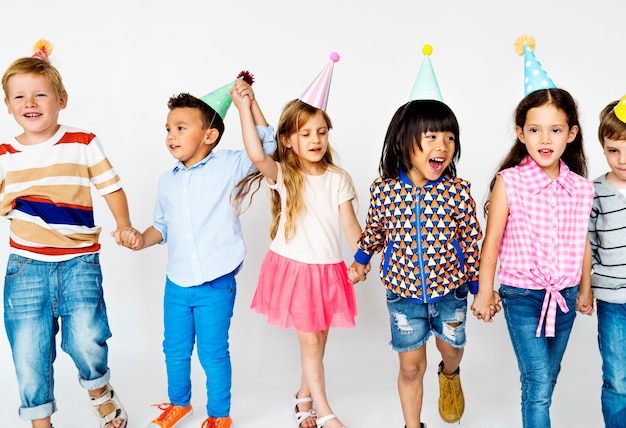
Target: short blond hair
point(37, 66)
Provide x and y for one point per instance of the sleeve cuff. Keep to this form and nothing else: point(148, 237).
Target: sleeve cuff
point(362, 257)
point(473, 287)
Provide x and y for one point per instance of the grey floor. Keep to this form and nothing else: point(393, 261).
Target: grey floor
point(360, 368)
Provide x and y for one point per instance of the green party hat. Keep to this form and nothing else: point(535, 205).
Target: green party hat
point(220, 99)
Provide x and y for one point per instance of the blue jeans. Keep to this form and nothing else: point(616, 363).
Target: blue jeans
point(413, 322)
point(36, 295)
point(201, 312)
point(611, 339)
point(539, 358)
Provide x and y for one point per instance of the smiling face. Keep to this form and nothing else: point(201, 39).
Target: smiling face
point(546, 135)
point(186, 139)
point(615, 153)
point(310, 143)
point(432, 160)
point(35, 105)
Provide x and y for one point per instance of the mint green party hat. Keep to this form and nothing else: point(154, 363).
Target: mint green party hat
point(220, 99)
point(426, 86)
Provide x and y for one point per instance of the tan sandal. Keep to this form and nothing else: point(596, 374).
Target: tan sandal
point(109, 396)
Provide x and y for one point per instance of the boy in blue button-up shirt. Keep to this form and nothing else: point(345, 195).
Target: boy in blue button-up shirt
point(193, 214)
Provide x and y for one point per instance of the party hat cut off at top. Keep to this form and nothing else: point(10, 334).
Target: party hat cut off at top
point(620, 109)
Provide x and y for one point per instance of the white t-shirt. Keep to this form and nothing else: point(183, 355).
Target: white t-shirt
point(317, 239)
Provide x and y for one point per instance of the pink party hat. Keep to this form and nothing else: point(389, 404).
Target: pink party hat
point(316, 94)
point(535, 77)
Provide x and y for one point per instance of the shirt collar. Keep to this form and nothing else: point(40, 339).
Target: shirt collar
point(180, 166)
point(538, 180)
point(404, 178)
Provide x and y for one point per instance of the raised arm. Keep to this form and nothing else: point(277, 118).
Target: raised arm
point(250, 116)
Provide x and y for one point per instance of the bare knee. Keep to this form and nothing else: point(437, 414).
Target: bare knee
point(411, 371)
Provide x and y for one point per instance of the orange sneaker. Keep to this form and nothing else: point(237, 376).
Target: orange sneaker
point(171, 415)
point(211, 422)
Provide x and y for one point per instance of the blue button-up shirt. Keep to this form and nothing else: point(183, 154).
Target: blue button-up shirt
point(194, 214)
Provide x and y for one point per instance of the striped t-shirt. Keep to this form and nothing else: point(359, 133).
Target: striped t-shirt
point(45, 191)
point(607, 234)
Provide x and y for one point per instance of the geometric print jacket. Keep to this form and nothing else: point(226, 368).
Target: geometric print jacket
point(428, 236)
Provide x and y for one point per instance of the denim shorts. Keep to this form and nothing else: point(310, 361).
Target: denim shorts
point(412, 322)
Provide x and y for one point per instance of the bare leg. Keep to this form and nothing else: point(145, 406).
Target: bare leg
point(450, 355)
point(305, 391)
point(41, 423)
point(312, 347)
point(411, 386)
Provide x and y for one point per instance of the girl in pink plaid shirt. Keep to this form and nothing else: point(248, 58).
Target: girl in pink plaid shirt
point(538, 215)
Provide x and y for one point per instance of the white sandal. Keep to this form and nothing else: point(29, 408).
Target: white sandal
point(109, 396)
point(303, 416)
point(322, 421)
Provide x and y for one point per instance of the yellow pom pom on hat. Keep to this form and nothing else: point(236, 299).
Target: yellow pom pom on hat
point(535, 77)
point(426, 86)
point(620, 109)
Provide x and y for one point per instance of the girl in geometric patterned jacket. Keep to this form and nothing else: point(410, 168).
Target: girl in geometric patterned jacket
point(422, 218)
point(303, 282)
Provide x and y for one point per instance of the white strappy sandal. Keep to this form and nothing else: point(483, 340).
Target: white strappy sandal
point(109, 396)
point(303, 416)
point(322, 421)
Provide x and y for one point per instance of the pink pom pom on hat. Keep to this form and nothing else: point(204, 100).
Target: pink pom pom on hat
point(316, 94)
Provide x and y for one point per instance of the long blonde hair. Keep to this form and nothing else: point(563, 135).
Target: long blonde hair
point(294, 116)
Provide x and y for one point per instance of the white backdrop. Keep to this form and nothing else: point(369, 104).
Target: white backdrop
point(122, 60)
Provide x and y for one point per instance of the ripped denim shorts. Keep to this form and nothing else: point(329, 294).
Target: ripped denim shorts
point(412, 322)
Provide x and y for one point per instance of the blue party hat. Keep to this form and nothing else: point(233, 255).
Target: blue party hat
point(535, 77)
point(426, 86)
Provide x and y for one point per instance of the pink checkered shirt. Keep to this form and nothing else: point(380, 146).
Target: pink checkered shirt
point(544, 239)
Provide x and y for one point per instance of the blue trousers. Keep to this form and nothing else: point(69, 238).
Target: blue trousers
point(538, 358)
point(199, 313)
point(611, 340)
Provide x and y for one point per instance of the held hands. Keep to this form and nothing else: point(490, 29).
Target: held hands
point(486, 305)
point(358, 272)
point(584, 302)
point(128, 237)
point(242, 94)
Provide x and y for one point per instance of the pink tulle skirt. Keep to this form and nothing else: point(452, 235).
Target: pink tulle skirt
point(307, 297)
